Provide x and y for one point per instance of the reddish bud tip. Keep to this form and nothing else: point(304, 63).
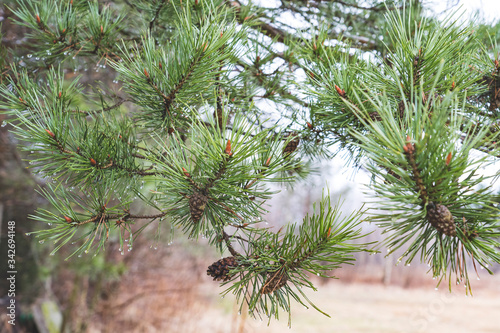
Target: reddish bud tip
point(246, 18)
point(185, 172)
point(309, 125)
point(21, 99)
point(408, 139)
point(102, 29)
point(341, 92)
point(329, 231)
point(146, 73)
point(92, 161)
point(405, 148)
point(64, 30)
point(120, 136)
point(59, 95)
point(68, 219)
point(38, 19)
point(448, 159)
point(159, 65)
point(453, 85)
point(257, 59)
point(315, 47)
point(268, 161)
point(228, 148)
point(496, 63)
point(205, 48)
point(50, 133)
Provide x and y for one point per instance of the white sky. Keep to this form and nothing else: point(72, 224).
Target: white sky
point(490, 9)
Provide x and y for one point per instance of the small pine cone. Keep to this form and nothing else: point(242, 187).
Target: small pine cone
point(197, 204)
point(219, 270)
point(274, 282)
point(291, 145)
point(441, 219)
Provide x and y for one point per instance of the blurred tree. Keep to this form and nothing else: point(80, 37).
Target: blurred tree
point(211, 100)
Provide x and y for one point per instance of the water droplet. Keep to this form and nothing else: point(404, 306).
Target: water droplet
point(86, 251)
point(29, 56)
point(436, 288)
point(41, 242)
point(37, 58)
point(28, 234)
point(74, 58)
point(49, 223)
point(478, 278)
point(80, 255)
point(122, 253)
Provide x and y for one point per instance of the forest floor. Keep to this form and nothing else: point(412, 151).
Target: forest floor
point(168, 290)
point(357, 308)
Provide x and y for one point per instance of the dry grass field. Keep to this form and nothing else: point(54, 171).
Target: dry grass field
point(173, 294)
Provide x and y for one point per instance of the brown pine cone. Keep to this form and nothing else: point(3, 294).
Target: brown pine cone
point(291, 145)
point(441, 219)
point(219, 270)
point(274, 282)
point(197, 204)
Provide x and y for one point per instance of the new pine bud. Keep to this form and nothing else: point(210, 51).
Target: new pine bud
point(448, 159)
point(228, 148)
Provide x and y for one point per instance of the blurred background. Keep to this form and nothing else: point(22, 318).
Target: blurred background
point(162, 286)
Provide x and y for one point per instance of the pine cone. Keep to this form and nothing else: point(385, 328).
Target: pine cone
point(197, 204)
point(219, 270)
point(441, 219)
point(274, 282)
point(291, 145)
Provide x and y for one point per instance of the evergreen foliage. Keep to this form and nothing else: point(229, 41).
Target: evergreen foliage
point(215, 106)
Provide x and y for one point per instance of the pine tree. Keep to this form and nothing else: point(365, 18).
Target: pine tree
point(191, 134)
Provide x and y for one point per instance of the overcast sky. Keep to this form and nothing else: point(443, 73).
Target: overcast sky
point(489, 8)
